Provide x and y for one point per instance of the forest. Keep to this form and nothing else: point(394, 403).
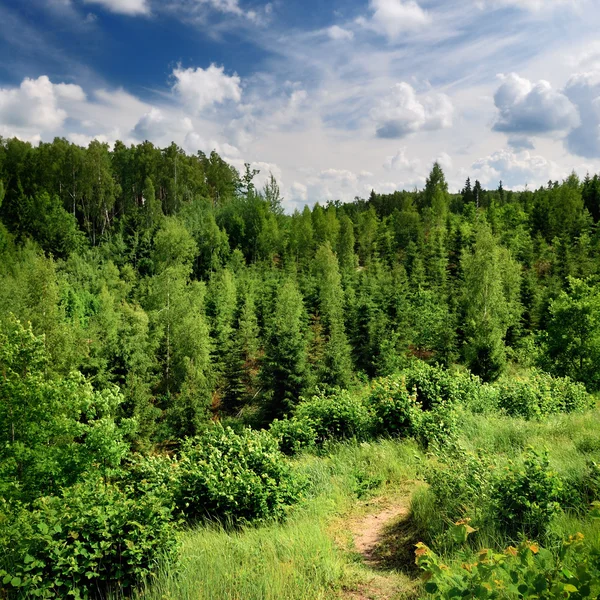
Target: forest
point(192, 380)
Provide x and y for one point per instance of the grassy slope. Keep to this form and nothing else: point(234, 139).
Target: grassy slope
point(310, 556)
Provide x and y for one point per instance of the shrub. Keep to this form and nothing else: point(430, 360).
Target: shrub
point(436, 427)
point(461, 486)
point(541, 395)
point(341, 415)
point(527, 496)
point(524, 572)
point(89, 541)
point(234, 477)
point(294, 435)
point(393, 407)
point(433, 385)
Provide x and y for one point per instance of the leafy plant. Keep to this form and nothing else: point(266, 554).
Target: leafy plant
point(92, 539)
point(527, 496)
point(235, 477)
point(341, 415)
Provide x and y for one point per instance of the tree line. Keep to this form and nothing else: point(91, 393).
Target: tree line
point(175, 279)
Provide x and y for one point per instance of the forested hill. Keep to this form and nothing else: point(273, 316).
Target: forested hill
point(173, 277)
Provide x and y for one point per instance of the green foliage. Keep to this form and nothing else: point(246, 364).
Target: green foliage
point(294, 435)
point(234, 477)
point(90, 540)
point(541, 395)
point(338, 415)
point(433, 385)
point(393, 406)
point(53, 430)
point(527, 496)
point(527, 571)
point(573, 336)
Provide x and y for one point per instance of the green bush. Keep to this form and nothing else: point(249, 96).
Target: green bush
point(524, 572)
point(461, 486)
point(294, 435)
point(541, 395)
point(528, 496)
point(436, 427)
point(93, 539)
point(234, 477)
point(341, 415)
point(393, 407)
point(433, 385)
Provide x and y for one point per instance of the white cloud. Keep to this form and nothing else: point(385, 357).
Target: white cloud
point(394, 17)
point(124, 7)
point(401, 162)
point(152, 125)
point(201, 88)
point(529, 5)
point(584, 91)
point(402, 112)
point(338, 33)
point(516, 169)
point(38, 103)
point(530, 108)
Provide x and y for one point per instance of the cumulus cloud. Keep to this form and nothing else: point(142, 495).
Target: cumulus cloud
point(525, 107)
point(583, 90)
point(152, 125)
point(124, 7)
point(402, 112)
point(338, 33)
point(38, 103)
point(394, 17)
point(401, 162)
point(516, 169)
point(201, 88)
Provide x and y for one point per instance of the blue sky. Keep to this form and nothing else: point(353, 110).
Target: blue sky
point(333, 97)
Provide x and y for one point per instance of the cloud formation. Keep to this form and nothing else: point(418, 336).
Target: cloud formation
point(515, 169)
point(123, 7)
point(38, 103)
point(583, 91)
point(528, 108)
point(394, 17)
point(200, 88)
point(402, 112)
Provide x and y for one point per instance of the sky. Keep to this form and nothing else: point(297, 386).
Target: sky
point(333, 97)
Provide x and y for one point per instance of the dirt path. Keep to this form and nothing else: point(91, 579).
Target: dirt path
point(368, 532)
point(382, 537)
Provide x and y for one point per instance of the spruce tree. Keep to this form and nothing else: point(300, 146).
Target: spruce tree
point(337, 367)
point(284, 365)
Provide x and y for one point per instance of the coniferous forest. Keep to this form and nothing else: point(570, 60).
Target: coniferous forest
point(194, 385)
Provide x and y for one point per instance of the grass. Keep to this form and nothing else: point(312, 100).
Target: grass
point(298, 559)
point(310, 556)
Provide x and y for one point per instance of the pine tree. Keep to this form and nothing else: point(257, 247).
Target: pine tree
point(284, 366)
point(337, 367)
point(491, 303)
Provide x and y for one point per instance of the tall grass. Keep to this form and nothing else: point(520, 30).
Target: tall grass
point(297, 559)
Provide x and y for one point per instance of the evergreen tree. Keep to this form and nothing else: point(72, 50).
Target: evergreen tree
point(284, 366)
point(337, 364)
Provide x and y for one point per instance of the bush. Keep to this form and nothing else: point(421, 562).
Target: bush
point(436, 427)
point(461, 486)
point(294, 435)
point(541, 395)
point(393, 407)
point(91, 540)
point(338, 416)
point(234, 477)
point(433, 385)
point(524, 572)
point(527, 496)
